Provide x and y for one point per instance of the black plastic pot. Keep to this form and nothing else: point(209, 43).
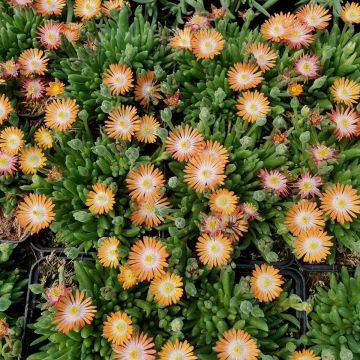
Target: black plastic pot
point(315, 267)
point(16, 241)
point(287, 261)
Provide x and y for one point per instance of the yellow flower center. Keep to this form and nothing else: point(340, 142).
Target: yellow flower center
point(276, 28)
point(55, 291)
point(207, 45)
point(148, 207)
point(10, 67)
point(323, 152)
point(33, 159)
point(185, 144)
point(73, 310)
point(244, 76)
point(205, 173)
point(149, 259)
point(313, 17)
point(133, 354)
point(168, 288)
point(266, 282)
point(307, 185)
point(237, 349)
point(50, 36)
point(3, 162)
point(304, 219)
point(341, 202)
point(120, 327)
point(213, 248)
point(146, 183)
point(253, 107)
point(306, 66)
point(212, 224)
point(129, 276)
point(313, 245)
point(274, 180)
point(344, 122)
point(33, 62)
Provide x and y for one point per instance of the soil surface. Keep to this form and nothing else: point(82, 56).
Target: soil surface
point(9, 227)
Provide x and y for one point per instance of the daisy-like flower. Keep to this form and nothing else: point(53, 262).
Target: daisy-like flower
point(5, 108)
point(350, 13)
point(127, 277)
point(217, 13)
point(313, 246)
point(4, 328)
point(204, 172)
point(117, 328)
point(147, 129)
point(347, 122)
point(87, 9)
point(43, 138)
point(21, 3)
point(146, 89)
point(277, 27)
point(108, 252)
point(234, 225)
point(172, 100)
point(304, 216)
point(144, 182)
point(266, 283)
point(207, 43)
point(341, 202)
point(55, 88)
point(167, 289)
point(110, 5)
point(33, 61)
point(304, 355)
point(35, 213)
point(33, 89)
point(275, 181)
point(101, 200)
point(298, 35)
point(149, 212)
point(250, 210)
point(147, 258)
point(252, 105)
point(11, 140)
point(308, 66)
point(345, 91)
point(178, 350)
point(71, 32)
point(184, 143)
point(223, 201)
point(210, 224)
point(61, 114)
point(118, 78)
point(49, 34)
point(197, 21)
point(308, 185)
point(213, 250)
point(10, 68)
point(49, 7)
point(181, 39)
point(7, 163)
point(216, 151)
point(243, 76)
point(139, 347)
point(295, 89)
point(264, 56)
point(31, 159)
point(73, 312)
point(122, 122)
point(321, 153)
point(314, 16)
point(55, 293)
point(236, 344)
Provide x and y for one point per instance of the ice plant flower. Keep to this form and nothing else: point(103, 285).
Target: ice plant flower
point(210, 224)
point(35, 213)
point(181, 39)
point(275, 181)
point(181, 350)
point(314, 16)
point(10, 68)
point(100, 200)
point(146, 89)
point(217, 13)
point(5, 108)
point(117, 328)
point(277, 27)
point(341, 202)
point(307, 66)
point(60, 114)
point(350, 13)
point(122, 122)
point(184, 143)
point(313, 246)
point(264, 56)
point(295, 89)
point(252, 105)
point(234, 225)
point(266, 283)
point(308, 185)
point(147, 258)
point(207, 43)
point(223, 201)
point(304, 354)
point(71, 32)
point(304, 216)
point(73, 311)
point(49, 34)
point(144, 182)
point(33, 61)
point(204, 172)
point(346, 122)
point(11, 140)
point(345, 91)
point(4, 328)
point(216, 151)
point(127, 277)
point(167, 289)
point(298, 35)
point(236, 344)
point(55, 88)
point(197, 21)
point(250, 210)
point(33, 88)
point(31, 159)
point(54, 294)
point(242, 76)
point(49, 7)
point(118, 78)
point(110, 5)
point(108, 252)
point(43, 138)
point(138, 347)
point(321, 153)
point(7, 163)
point(147, 129)
point(213, 250)
point(87, 9)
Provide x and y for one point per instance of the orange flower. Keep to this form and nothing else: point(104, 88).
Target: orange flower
point(252, 105)
point(61, 114)
point(147, 129)
point(11, 140)
point(31, 159)
point(304, 355)
point(244, 76)
point(146, 89)
point(33, 61)
point(110, 5)
point(117, 328)
point(276, 28)
point(295, 89)
point(49, 7)
point(206, 43)
point(181, 39)
point(108, 252)
point(345, 91)
point(43, 138)
point(55, 88)
point(182, 350)
point(264, 56)
point(100, 200)
point(122, 123)
point(314, 16)
point(87, 9)
point(350, 13)
point(223, 201)
point(118, 78)
point(127, 277)
point(167, 289)
point(5, 108)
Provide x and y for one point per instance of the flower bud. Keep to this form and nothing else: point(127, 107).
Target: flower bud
point(219, 95)
point(327, 354)
point(83, 115)
point(274, 92)
point(204, 114)
point(261, 121)
point(294, 102)
point(173, 182)
point(132, 154)
point(159, 72)
point(346, 354)
point(281, 149)
point(180, 222)
point(279, 123)
point(162, 133)
point(105, 91)
point(349, 48)
point(282, 229)
point(246, 141)
point(305, 137)
point(106, 106)
point(246, 307)
point(305, 111)
point(166, 115)
point(259, 195)
point(176, 325)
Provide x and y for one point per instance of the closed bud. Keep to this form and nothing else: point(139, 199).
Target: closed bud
point(166, 115)
point(279, 123)
point(176, 325)
point(246, 141)
point(327, 52)
point(294, 102)
point(83, 115)
point(173, 182)
point(259, 195)
point(305, 111)
point(159, 72)
point(204, 114)
point(220, 95)
point(230, 168)
point(246, 307)
point(106, 106)
point(305, 137)
point(281, 149)
point(346, 354)
point(327, 354)
point(274, 92)
point(349, 48)
point(75, 144)
point(261, 121)
point(105, 91)
point(180, 222)
point(132, 154)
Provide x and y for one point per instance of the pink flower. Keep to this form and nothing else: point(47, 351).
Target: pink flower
point(308, 185)
point(308, 66)
point(55, 293)
point(275, 181)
